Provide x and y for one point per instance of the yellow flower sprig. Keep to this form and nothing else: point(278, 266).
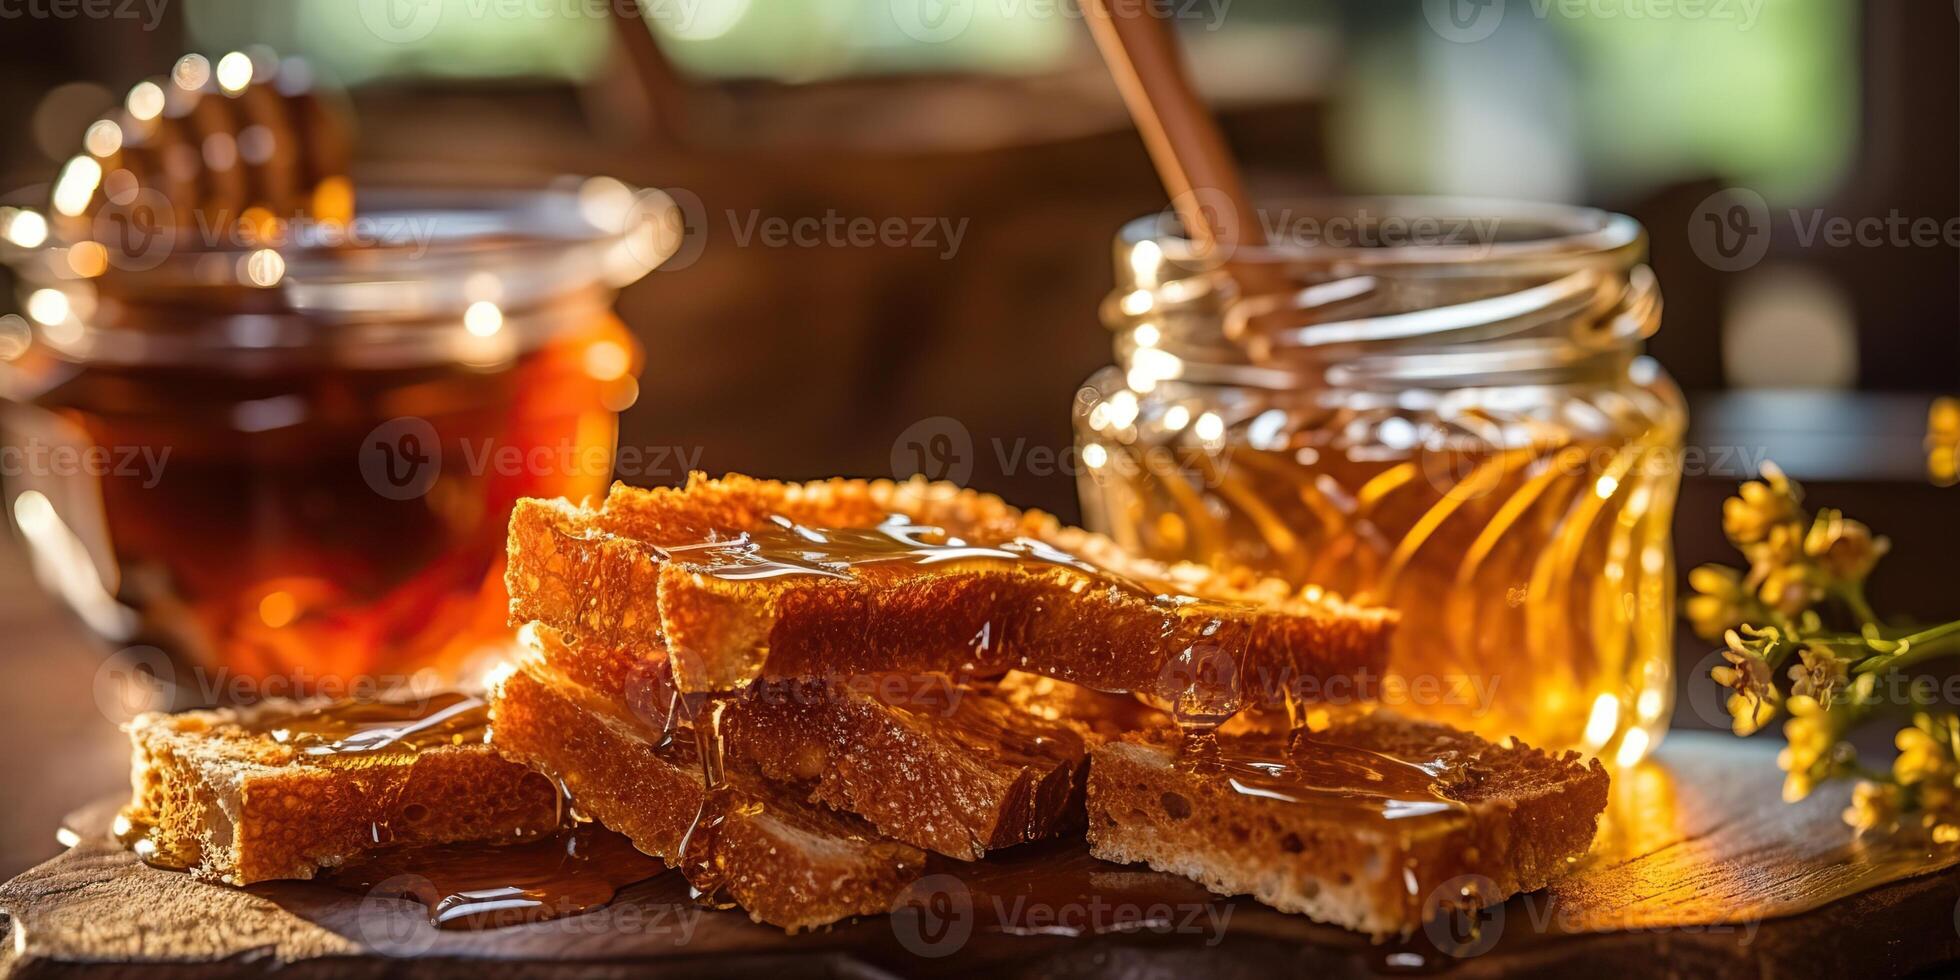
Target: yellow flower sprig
point(1795, 563)
point(1805, 576)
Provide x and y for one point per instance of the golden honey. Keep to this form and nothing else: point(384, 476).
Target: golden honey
point(1464, 430)
point(360, 733)
point(580, 868)
point(1353, 782)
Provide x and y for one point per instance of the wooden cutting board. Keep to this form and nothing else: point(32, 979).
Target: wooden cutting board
point(1698, 871)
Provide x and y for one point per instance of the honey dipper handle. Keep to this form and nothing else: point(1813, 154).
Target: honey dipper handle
point(1184, 141)
point(666, 89)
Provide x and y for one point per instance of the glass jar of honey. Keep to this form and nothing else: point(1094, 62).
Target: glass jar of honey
point(290, 464)
point(1442, 406)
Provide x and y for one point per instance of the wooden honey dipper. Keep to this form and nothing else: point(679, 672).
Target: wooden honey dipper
point(217, 149)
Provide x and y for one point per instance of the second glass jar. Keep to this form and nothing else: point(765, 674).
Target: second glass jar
point(1446, 412)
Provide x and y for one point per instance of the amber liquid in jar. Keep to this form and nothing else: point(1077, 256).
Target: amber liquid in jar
point(1512, 502)
point(301, 459)
point(310, 523)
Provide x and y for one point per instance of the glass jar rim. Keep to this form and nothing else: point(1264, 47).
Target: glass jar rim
point(1387, 291)
point(1406, 234)
point(533, 255)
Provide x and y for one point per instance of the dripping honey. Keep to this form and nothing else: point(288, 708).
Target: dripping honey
point(484, 886)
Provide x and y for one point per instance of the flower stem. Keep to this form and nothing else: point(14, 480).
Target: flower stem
point(1854, 597)
point(1912, 649)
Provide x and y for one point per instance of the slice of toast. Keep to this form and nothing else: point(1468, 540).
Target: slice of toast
point(744, 579)
point(1374, 825)
point(249, 795)
point(957, 771)
point(953, 769)
point(786, 862)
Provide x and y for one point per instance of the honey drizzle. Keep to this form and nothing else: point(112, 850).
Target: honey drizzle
point(346, 734)
point(355, 734)
point(1213, 676)
point(478, 886)
point(1329, 777)
point(783, 547)
point(699, 854)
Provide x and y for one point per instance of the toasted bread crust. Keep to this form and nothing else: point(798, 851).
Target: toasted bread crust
point(567, 573)
point(960, 772)
point(236, 807)
point(955, 770)
point(785, 862)
point(600, 572)
point(1524, 814)
point(726, 633)
point(667, 517)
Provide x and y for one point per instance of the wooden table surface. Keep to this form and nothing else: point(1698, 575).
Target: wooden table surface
point(1698, 871)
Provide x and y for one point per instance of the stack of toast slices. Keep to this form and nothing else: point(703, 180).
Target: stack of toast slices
point(804, 696)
